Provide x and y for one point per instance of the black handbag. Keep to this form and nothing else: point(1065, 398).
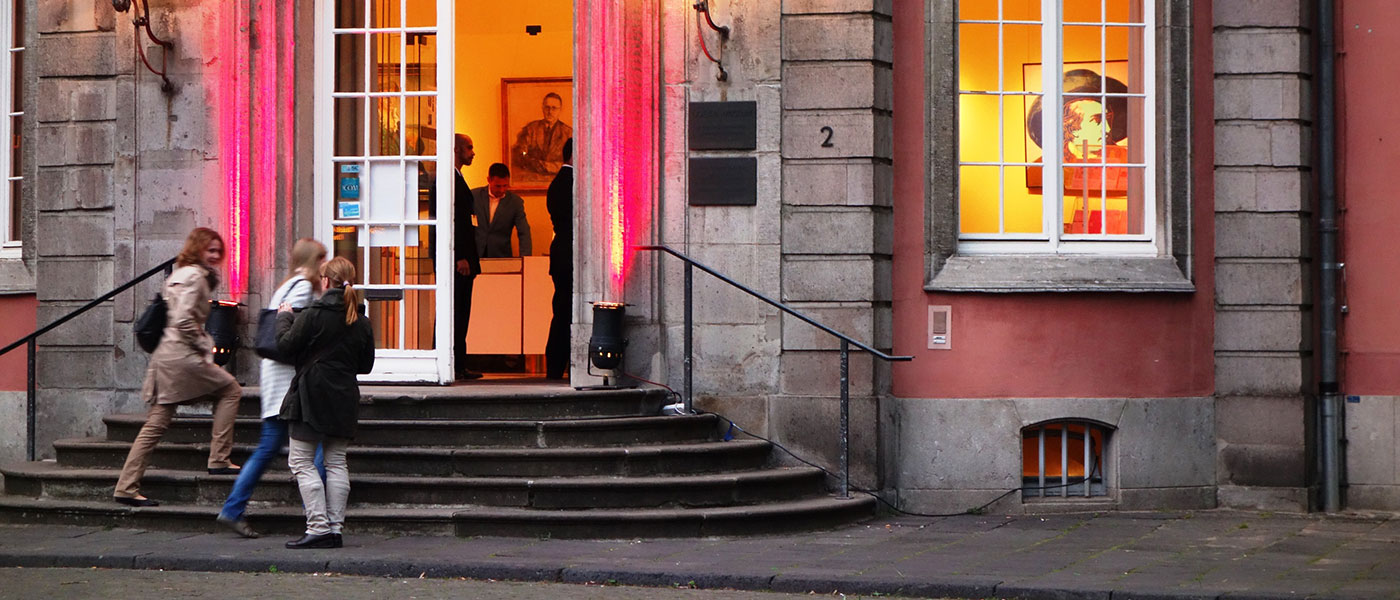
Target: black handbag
point(150, 326)
point(266, 343)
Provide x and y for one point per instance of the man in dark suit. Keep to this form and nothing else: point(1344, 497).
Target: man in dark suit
point(560, 202)
point(497, 212)
point(467, 262)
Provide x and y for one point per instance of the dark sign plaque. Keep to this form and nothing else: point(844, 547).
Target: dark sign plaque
point(723, 125)
point(724, 181)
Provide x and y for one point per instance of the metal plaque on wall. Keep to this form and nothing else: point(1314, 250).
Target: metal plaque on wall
point(724, 181)
point(723, 125)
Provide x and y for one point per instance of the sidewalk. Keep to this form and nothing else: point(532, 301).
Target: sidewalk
point(1207, 554)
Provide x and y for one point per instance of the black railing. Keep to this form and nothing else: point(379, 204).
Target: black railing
point(31, 341)
point(846, 343)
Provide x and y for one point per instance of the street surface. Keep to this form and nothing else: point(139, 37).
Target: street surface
point(104, 584)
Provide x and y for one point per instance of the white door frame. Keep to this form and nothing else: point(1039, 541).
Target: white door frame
point(427, 366)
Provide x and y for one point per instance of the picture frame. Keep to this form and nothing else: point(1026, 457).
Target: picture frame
point(531, 145)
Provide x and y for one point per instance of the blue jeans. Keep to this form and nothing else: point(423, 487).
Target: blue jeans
point(274, 436)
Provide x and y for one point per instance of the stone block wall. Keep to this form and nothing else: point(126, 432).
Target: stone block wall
point(1263, 129)
point(837, 223)
point(126, 168)
point(75, 71)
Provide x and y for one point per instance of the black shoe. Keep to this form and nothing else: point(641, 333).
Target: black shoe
point(465, 374)
point(135, 501)
point(339, 540)
point(325, 540)
point(229, 470)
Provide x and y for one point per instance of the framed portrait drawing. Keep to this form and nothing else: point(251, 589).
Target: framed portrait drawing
point(1095, 132)
point(536, 119)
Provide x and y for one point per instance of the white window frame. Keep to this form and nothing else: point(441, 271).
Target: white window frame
point(9, 247)
point(1052, 240)
point(953, 264)
point(392, 365)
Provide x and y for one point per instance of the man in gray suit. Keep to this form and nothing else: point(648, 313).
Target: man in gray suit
point(497, 212)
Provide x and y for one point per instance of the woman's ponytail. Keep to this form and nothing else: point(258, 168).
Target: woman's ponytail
point(352, 303)
point(341, 273)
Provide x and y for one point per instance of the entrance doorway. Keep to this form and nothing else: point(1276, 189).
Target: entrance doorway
point(395, 80)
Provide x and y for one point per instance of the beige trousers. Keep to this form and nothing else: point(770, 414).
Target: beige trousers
point(323, 502)
point(158, 420)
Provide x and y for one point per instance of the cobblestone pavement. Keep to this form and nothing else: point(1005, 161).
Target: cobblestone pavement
point(1100, 556)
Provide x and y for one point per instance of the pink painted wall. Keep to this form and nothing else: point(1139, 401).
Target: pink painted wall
point(1046, 345)
point(1367, 132)
point(20, 319)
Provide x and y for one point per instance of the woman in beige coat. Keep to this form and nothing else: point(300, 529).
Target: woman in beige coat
point(182, 368)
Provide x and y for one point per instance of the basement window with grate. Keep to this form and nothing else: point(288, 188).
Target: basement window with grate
point(1063, 459)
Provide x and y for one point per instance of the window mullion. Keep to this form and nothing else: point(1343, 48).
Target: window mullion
point(1052, 79)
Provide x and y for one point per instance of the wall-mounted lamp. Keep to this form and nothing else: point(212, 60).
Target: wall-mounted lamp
point(606, 345)
point(142, 20)
point(222, 325)
point(703, 7)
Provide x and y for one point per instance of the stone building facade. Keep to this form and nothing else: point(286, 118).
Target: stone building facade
point(1196, 367)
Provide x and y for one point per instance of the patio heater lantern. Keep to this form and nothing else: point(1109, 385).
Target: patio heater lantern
point(606, 345)
point(222, 325)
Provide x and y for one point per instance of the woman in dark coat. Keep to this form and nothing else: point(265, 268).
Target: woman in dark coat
point(331, 342)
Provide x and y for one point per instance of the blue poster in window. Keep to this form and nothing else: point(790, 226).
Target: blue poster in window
point(347, 210)
point(350, 187)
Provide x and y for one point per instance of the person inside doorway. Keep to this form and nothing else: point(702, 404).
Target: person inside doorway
point(498, 211)
point(560, 202)
point(467, 261)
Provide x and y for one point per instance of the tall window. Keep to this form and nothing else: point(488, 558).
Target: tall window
point(1055, 144)
point(11, 95)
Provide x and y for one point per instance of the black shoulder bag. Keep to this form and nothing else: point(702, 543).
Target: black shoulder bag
point(150, 326)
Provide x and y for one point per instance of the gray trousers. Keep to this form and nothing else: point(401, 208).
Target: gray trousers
point(323, 503)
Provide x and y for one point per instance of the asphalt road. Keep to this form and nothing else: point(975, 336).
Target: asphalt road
point(106, 584)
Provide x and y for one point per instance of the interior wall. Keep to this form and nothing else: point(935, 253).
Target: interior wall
point(491, 45)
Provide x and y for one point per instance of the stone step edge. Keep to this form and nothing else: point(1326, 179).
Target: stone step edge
point(137, 419)
point(464, 512)
point(390, 394)
point(484, 452)
point(109, 477)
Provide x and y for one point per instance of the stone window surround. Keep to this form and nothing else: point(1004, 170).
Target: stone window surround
point(1169, 271)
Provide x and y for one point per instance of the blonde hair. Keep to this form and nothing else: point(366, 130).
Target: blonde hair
point(307, 255)
point(341, 274)
point(195, 245)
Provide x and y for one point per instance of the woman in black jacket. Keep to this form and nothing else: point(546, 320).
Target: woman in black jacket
point(331, 342)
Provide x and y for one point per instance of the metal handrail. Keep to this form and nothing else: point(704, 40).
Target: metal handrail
point(846, 343)
point(31, 341)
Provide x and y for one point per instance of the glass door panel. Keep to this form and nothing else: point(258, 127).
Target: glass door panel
point(382, 199)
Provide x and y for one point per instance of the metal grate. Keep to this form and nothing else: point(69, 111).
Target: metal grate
point(1063, 459)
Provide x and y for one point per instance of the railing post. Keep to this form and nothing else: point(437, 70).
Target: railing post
point(30, 403)
point(689, 317)
point(845, 419)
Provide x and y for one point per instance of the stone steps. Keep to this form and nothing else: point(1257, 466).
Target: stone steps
point(775, 517)
point(524, 460)
point(677, 459)
point(564, 433)
point(48, 480)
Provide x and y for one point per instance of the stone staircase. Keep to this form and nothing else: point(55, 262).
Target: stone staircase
point(521, 460)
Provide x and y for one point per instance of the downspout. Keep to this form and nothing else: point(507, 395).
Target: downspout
point(1328, 385)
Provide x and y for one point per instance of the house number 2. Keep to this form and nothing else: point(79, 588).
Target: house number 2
point(826, 143)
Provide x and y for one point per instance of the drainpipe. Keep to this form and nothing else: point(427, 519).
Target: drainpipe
point(1328, 384)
